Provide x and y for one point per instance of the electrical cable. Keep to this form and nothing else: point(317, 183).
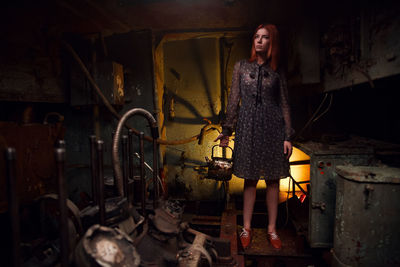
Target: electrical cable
point(312, 117)
point(338, 260)
point(326, 110)
point(287, 205)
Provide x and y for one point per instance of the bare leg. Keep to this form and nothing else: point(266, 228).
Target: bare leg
point(249, 197)
point(272, 204)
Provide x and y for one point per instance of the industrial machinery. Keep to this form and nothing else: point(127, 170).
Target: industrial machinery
point(112, 230)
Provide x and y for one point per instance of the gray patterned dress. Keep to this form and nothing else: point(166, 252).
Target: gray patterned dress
point(258, 112)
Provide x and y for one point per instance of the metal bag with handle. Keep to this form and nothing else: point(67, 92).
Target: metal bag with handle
point(219, 168)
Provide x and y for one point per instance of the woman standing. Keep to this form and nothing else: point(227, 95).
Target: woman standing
point(258, 112)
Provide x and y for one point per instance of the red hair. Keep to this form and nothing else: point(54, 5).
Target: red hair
point(273, 49)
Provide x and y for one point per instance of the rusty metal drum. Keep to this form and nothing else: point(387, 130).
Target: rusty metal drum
point(104, 246)
point(367, 218)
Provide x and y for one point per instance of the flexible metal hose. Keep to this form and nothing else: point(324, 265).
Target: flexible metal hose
point(115, 146)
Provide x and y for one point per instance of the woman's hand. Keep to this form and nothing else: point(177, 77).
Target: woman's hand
point(287, 149)
point(223, 140)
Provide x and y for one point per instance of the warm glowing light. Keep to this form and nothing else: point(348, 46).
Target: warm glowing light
point(299, 173)
point(298, 155)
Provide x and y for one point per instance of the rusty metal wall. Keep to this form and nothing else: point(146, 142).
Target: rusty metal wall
point(367, 217)
point(30, 71)
point(192, 93)
point(34, 144)
point(193, 72)
point(133, 51)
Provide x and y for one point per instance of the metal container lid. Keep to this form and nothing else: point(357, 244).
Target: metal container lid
point(104, 246)
point(369, 174)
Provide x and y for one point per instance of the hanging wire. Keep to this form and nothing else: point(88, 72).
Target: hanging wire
point(311, 120)
point(326, 110)
point(287, 203)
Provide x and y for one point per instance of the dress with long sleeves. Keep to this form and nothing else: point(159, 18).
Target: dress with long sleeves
point(258, 112)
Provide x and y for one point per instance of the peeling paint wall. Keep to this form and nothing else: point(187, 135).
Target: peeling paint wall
point(193, 87)
point(362, 45)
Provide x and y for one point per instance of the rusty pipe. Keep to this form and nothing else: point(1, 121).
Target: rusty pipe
point(151, 169)
point(125, 166)
point(115, 146)
point(93, 168)
point(62, 199)
point(115, 186)
point(155, 174)
point(11, 172)
point(142, 173)
point(100, 182)
point(131, 165)
point(130, 153)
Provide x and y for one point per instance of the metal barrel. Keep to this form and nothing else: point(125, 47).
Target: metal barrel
point(10, 156)
point(62, 198)
point(100, 183)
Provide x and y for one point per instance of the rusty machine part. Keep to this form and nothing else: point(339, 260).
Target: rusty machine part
point(58, 215)
point(105, 211)
point(115, 156)
point(43, 247)
point(142, 175)
point(53, 221)
point(367, 194)
point(10, 156)
point(49, 213)
point(100, 183)
point(151, 170)
point(62, 198)
point(324, 157)
point(168, 218)
point(191, 256)
point(170, 242)
point(160, 243)
point(219, 168)
point(104, 246)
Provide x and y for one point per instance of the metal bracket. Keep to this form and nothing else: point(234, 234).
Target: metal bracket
point(318, 205)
